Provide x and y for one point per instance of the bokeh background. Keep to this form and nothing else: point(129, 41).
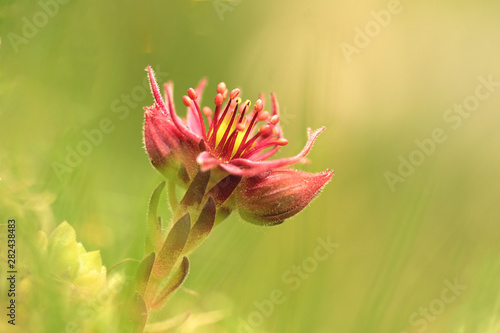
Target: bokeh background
point(400, 245)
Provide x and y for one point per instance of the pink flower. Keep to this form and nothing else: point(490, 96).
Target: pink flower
point(238, 141)
point(271, 197)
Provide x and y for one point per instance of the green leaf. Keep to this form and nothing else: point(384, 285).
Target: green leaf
point(63, 235)
point(222, 214)
point(90, 261)
point(172, 197)
point(202, 227)
point(91, 274)
point(137, 316)
point(196, 190)
point(63, 251)
point(172, 284)
point(154, 239)
point(223, 189)
point(172, 248)
point(143, 273)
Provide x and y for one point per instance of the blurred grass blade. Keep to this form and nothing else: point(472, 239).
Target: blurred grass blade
point(154, 239)
point(167, 325)
point(202, 227)
point(172, 248)
point(143, 273)
point(172, 284)
point(199, 320)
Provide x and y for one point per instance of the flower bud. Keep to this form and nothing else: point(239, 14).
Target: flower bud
point(271, 197)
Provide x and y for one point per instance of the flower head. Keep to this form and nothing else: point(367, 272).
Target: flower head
point(237, 140)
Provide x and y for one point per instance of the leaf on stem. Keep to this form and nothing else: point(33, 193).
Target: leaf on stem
point(172, 248)
point(196, 189)
point(172, 198)
point(143, 273)
point(138, 315)
point(202, 227)
point(223, 189)
point(154, 239)
point(222, 214)
point(172, 284)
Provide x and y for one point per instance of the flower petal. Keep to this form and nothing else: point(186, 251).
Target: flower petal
point(275, 109)
point(166, 145)
point(246, 167)
point(200, 88)
point(265, 155)
point(193, 120)
point(207, 161)
point(169, 93)
point(160, 147)
point(156, 90)
point(170, 111)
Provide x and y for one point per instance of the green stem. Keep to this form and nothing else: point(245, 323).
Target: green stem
point(192, 221)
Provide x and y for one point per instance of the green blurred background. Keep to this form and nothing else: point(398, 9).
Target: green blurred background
point(398, 246)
